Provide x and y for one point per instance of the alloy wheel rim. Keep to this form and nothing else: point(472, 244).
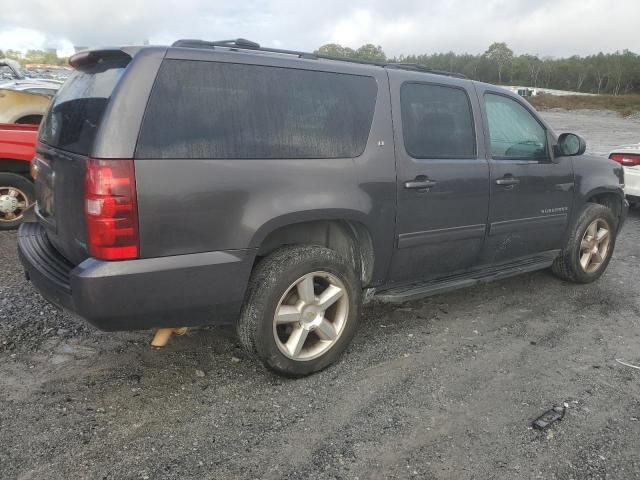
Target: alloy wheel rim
point(594, 247)
point(311, 316)
point(13, 203)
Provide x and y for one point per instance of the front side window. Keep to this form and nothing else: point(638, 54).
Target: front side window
point(514, 132)
point(217, 110)
point(437, 121)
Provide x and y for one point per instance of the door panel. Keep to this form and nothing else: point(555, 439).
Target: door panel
point(443, 189)
point(531, 195)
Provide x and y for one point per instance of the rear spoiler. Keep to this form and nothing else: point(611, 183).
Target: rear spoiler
point(91, 57)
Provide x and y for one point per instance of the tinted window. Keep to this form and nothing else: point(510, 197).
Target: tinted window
point(513, 130)
point(75, 114)
point(437, 121)
point(223, 110)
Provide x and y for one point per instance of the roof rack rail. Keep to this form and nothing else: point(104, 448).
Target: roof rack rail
point(244, 44)
point(423, 68)
point(239, 43)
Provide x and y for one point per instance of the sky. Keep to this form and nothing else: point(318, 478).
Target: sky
point(555, 28)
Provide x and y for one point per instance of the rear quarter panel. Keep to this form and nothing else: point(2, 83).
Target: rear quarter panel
point(189, 206)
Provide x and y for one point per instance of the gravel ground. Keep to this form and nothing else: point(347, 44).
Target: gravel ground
point(602, 130)
point(440, 388)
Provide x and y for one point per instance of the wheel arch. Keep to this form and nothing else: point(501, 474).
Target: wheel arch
point(345, 234)
point(30, 119)
point(10, 165)
point(612, 199)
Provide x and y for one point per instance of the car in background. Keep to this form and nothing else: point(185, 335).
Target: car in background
point(22, 107)
point(42, 87)
point(17, 149)
point(12, 77)
point(23, 100)
point(629, 157)
point(10, 70)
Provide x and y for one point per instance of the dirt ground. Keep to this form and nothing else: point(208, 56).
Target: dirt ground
point(442, 388)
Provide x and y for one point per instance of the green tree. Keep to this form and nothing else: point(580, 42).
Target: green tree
point(371, 52)
point(630, 63)
point(501, 55)
point(599, 68)
point(611, 73)
point(13, 54)
point(335, 50)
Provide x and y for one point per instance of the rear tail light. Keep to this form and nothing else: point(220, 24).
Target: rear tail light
point(111, 209)
point(626, 159)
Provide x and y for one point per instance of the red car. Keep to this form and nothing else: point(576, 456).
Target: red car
point(17, 148)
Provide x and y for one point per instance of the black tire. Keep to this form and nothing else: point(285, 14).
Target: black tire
point(567, 266)
point(24, 185)
point(270, 281)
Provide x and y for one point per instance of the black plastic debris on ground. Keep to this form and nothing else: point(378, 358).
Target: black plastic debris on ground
point(550, 416)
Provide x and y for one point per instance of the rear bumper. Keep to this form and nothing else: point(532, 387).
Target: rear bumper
point(632, 181)
point(182, 290)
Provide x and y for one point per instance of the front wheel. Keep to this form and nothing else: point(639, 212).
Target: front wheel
point(301, 310)
point(16, 194)
point(589, 247)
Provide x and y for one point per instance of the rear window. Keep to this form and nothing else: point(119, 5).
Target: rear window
point(232, 111)
point(437, 121)
point(76, 112)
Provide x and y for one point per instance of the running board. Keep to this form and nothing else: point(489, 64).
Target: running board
point(432, 287)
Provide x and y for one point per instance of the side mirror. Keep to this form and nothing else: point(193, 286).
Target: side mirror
point(570, 145)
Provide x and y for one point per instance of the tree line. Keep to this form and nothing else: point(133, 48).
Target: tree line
point(46, 57)
point(611, 73)
point(607, 73)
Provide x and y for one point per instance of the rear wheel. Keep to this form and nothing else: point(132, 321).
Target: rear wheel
point(301, 309)
point(16, 194)
point(589, 247)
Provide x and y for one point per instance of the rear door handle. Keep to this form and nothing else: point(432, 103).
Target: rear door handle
point(508, 180)
point(420, 182)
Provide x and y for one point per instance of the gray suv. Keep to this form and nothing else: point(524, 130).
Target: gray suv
point(222, 182)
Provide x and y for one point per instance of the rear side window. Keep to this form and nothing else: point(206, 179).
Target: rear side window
point(76, 112)
point(232, 111)
point(437, 121)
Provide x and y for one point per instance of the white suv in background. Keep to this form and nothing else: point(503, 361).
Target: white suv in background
point(629, 157)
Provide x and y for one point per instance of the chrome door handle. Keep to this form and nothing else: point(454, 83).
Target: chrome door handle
point(507, 181)
point(420, 182)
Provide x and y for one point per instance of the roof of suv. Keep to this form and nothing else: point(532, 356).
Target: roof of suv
point(127, 105)
point(249, 47)
point(243, 44)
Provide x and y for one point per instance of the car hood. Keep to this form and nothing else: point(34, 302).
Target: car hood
point(29, 83)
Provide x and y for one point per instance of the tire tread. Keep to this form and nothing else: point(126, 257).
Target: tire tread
point(262, 287)
point(565, 266)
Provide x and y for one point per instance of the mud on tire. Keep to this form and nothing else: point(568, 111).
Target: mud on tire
point(296, 283)
point(568, 264)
